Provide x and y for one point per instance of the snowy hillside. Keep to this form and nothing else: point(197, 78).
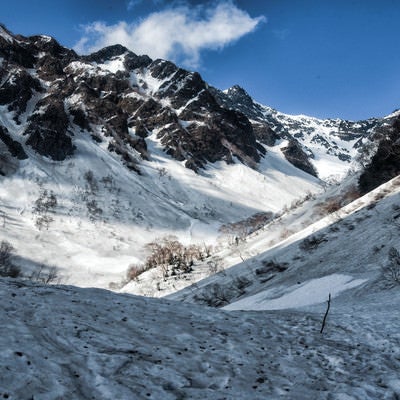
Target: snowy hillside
point(100, 225)
point(347, 249)
point(100, 345)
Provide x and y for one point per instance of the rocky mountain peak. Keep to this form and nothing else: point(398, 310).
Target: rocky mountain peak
point(121, 98)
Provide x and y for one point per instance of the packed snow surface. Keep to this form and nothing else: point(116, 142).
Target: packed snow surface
point(311, 292)
point(69, 343)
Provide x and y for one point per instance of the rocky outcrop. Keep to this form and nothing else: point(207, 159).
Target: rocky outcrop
point(131, 60)
point(265, 134)
point(237, 98)
point(15, 148)
point(296, 156)
point(47, 130)
point(17, 89)
point(385, 164)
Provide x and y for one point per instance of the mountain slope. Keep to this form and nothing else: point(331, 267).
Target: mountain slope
point(102, 154)
point(329, 148)
point(313, 262)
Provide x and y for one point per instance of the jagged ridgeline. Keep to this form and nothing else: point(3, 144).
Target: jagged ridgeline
point(119, 98)
point(116, 94)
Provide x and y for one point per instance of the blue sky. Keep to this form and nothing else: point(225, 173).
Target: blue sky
point(317, 57)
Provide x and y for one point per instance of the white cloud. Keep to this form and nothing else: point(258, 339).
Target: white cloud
point(178, 34)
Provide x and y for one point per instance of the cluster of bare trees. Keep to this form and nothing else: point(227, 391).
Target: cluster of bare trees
point(8, 268)
point(239, 230)
point(335, 203)
point(171, 256)
point(44, 206)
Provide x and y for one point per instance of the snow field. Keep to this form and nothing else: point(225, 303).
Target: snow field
point(101, 345)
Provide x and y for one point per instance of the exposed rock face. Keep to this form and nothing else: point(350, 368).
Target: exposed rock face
point(17, 89)
point(341, 141)
point(131, 61)
point(385, 164)
point(265, 134)
point(238, 99)
point(14, 147)
point(295, 155)
point(47, 130)
point(15, 52)
point(107, 95)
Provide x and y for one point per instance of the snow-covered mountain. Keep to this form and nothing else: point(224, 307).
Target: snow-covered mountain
point(104, 157)
point(327, 148)
point(105, 153)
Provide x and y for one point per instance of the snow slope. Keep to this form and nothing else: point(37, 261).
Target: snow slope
point(69, 342)
point(106, 214)
point(77, 343)
point(347, 249)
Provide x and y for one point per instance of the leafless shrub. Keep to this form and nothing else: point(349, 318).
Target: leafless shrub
point(108, 182)
point(333, 204)
point(91, 181)
point(215, 265)
point(44, 221)
point(271, 266)
point(46, 202)
point(218, 295)
point(7, 267)
point(330, 205)
point(171, 257)
point(241, 229)
point(312, 242)
point(350, 195)
point(334, 228)
point(93, 209)
point(162, 171)
point(44, 275)
point(392, 269)
point(240, 283)
point(134, 271)
point(285, 234)
point(44, 205)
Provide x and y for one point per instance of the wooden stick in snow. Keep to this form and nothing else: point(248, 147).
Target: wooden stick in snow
point(326, 314)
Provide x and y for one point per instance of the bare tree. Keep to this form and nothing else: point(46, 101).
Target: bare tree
point(393, 267)
point(7, 267)
point(44, 205)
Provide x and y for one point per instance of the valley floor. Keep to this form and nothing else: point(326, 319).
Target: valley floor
point(60, 342)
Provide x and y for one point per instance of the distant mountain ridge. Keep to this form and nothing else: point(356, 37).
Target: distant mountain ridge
point(318, 146)
point(118, 95)
point(114, 93)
